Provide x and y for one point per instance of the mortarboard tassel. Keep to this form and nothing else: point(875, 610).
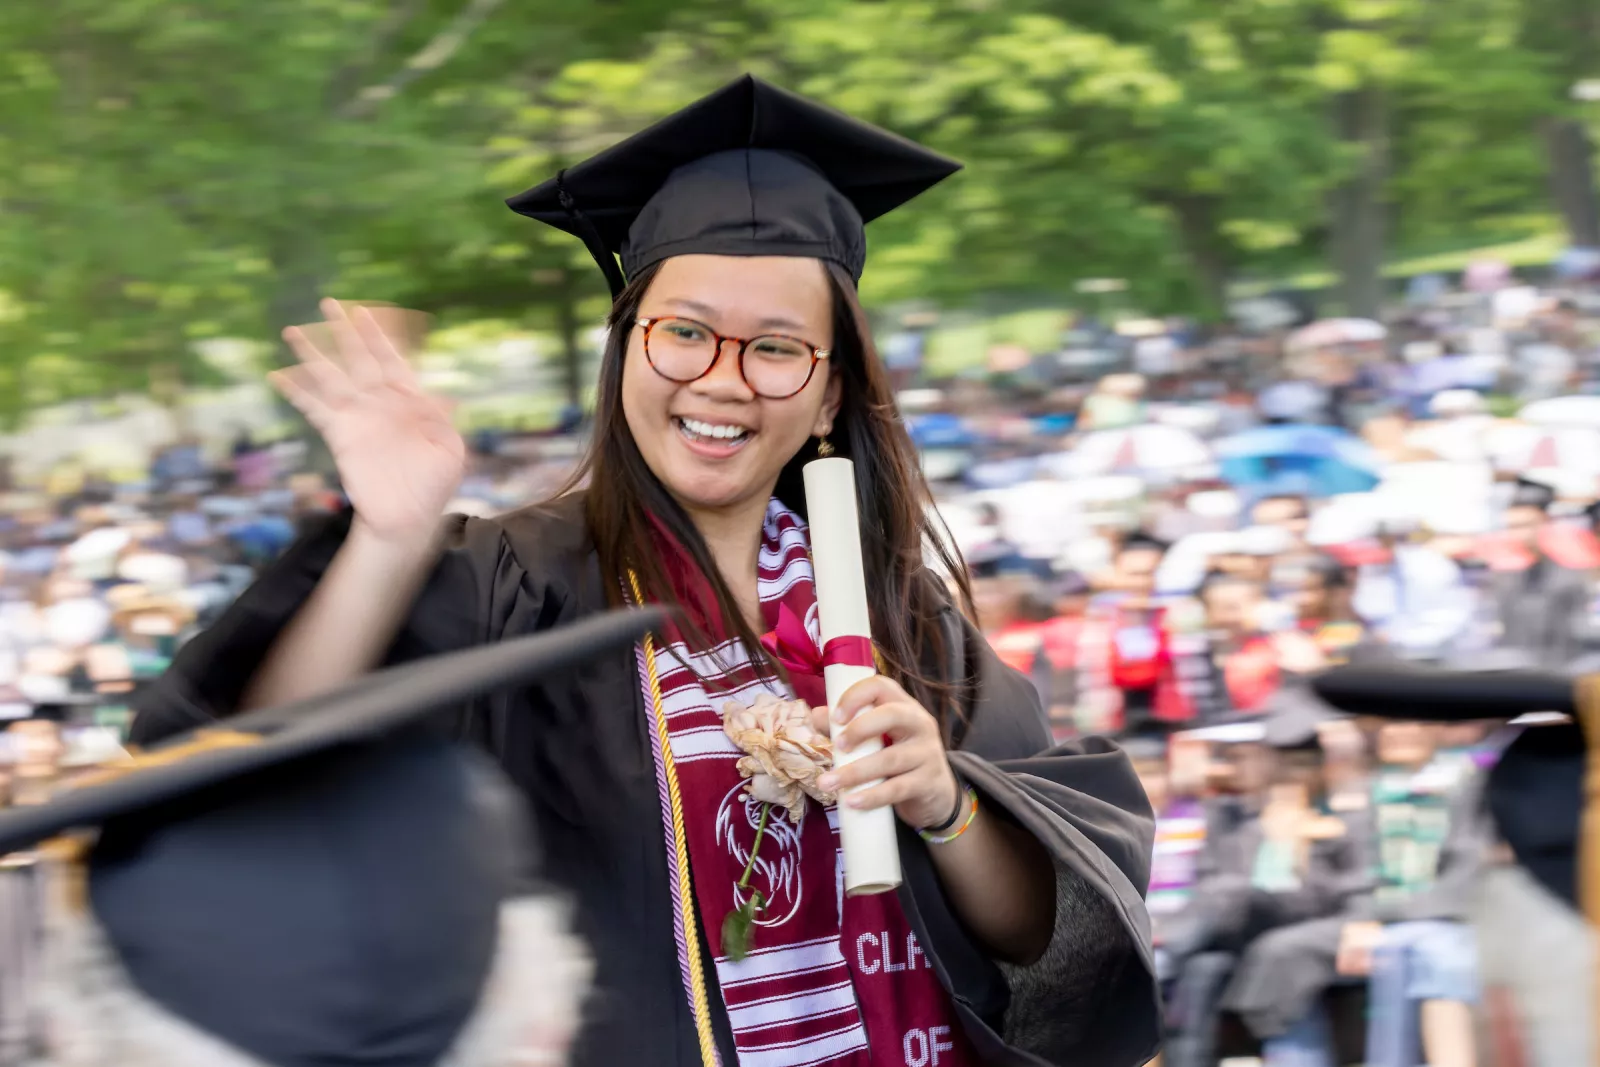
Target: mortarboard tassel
point(590, 236)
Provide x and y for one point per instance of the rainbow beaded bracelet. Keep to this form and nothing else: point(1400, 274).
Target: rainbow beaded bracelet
point(945, 839)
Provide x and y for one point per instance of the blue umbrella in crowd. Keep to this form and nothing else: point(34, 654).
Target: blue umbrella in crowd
point(1002, 473)
point(940, 430)
point(1309, 460)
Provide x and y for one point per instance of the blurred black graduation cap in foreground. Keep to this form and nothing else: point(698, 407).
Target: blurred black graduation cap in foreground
point(321, 882)
point(1535, 790)
point(1293, 717)
point(1527, 493)
point(749, 170)
point(1148, 741)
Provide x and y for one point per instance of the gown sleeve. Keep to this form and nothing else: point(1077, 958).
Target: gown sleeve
point(460, 605)
point(1091, 1000)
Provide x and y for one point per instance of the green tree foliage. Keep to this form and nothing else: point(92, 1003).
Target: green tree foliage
point(178, 170)
point(181, 170)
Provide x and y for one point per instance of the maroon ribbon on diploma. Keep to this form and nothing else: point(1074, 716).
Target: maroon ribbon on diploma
point(791, 645)
point(850, 652)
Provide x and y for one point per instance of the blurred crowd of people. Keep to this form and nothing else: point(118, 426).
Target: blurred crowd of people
point(1170, 547)
point(1168, 528)
point(1172, 563)
point(1314, 891)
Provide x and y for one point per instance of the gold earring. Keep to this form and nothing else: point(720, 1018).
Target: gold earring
point(824, 447)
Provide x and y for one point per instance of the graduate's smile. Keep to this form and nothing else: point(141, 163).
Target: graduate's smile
point(712, 439)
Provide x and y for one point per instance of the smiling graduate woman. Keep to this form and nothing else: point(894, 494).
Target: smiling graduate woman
point(737, 351)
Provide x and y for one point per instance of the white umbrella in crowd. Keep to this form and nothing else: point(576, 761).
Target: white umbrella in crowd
point(1528, 448)
point(1563, 411)
point(1148, 449)
point(1337, 332)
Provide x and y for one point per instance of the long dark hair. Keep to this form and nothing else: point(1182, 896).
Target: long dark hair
point(905, 597)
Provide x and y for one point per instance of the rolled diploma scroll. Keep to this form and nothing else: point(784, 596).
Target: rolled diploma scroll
point(871, 855)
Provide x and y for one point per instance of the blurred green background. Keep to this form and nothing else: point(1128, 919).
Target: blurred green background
point(182, 179)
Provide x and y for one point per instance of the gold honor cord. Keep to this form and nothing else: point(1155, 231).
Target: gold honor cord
point(69, 851)
point(701, 1004)
point(202, 742)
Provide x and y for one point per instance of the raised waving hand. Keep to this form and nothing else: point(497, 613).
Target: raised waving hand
point(399, 456)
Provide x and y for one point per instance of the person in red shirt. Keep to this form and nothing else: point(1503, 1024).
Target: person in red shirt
point(1013, 614)
point(1125, 652)
point(1252, 642)
point(1065, 628)
point(1060, 637)
point(1241, 654)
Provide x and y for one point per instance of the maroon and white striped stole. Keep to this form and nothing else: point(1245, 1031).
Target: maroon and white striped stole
point(824, 974)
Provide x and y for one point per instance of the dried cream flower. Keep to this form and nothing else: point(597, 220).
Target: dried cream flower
point(785, 755)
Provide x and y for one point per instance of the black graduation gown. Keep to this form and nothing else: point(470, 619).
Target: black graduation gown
point(579, 748)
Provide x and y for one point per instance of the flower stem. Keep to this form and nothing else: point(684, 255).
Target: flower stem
point(761, 831)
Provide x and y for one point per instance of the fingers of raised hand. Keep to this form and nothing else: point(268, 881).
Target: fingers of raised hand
point(305, 349)
point(358, 359)
point(383, 330)
point(317, 388)
point(437, 426)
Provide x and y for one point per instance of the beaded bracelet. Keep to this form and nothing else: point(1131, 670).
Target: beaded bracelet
point(945, 839)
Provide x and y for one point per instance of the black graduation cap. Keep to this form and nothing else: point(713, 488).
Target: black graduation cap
point(1148, 741)
point(1528, 493)
point(750, 170)
point(1534, 792)
point(1292, 716)
point(1141, 541)
point(1068, 582)
point(322, 882)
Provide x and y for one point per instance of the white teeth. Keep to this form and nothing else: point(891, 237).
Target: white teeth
point(709, 429)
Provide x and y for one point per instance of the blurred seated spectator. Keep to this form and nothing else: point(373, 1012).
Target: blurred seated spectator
point(183, 461)
point(1251, 641)
point(1012, 615)
point(36, 756)
point(1180, 831)
point(1542, 607)
point(254, 467)
point(1423, 955)
point(1404, 930)
point(189, 527)
point(1117, 401)
point(1061, 635)
point(1319, 591)
point(1272, 873)
point(1282, 975)
point(1238, 658)
point(1288, 512)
